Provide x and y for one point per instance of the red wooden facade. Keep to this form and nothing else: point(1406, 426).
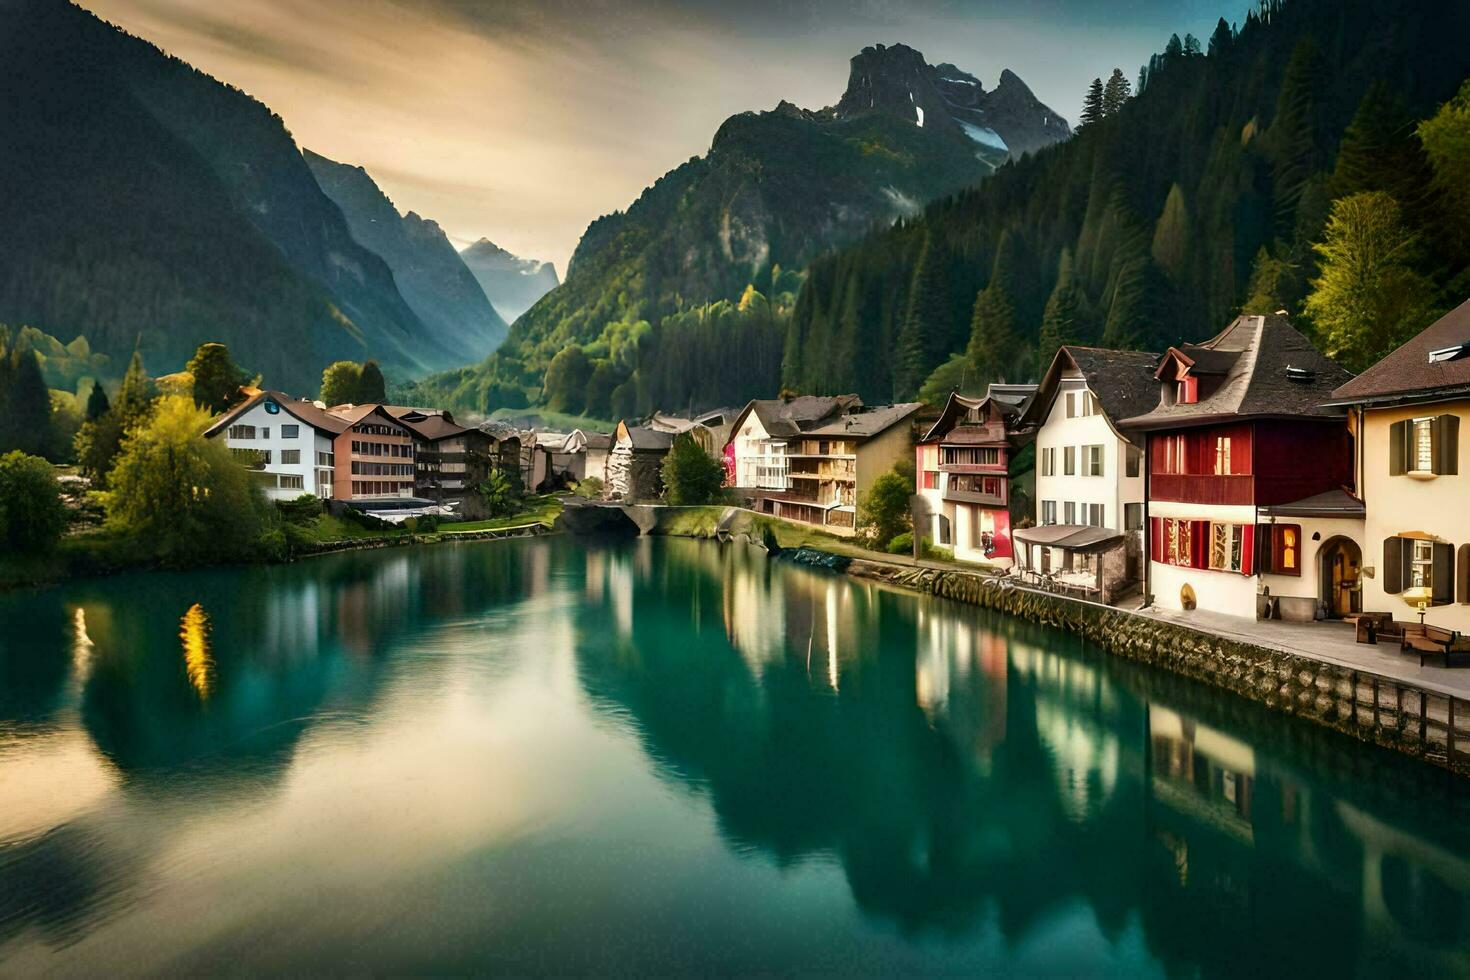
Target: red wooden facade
point(1261, 463)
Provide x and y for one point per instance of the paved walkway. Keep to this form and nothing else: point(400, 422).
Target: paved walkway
point(1330, 642)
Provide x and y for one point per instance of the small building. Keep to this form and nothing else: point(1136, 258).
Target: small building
point(633, 465)
point(1408, 408)
point(1250, 474)
point(811, 458)
point(975, 472)
point(511, 450)
point(449, 459)
point(288, 443)
point(374, 453)
point(1089, 473)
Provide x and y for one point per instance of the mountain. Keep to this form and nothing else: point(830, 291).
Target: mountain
point(142, 200)
point(512, 283)
point(428, 270)
point(775, 190)
point(1206, 194)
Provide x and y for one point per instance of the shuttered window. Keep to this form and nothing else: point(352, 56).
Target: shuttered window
point(1427, 446)
point(1417, 563)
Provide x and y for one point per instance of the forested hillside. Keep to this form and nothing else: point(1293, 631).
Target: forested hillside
point(1237, 177)
point(141, 199)
point(647, 286)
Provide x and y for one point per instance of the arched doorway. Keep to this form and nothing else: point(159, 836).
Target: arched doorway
point(1340, 562)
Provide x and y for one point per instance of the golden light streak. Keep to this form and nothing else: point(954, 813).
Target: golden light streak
point(194, 632)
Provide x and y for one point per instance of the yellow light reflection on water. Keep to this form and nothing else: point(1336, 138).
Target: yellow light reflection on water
point(194, 632)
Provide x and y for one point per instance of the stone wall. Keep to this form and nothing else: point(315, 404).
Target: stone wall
point(1367, 706)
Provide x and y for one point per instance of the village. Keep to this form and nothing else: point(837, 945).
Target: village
point(1246, 475)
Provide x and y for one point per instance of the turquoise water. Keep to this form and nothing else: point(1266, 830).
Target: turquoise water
point(668, 757)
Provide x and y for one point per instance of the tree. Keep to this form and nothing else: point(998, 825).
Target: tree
point(97, 402)
point(26, 420)
point(340, 382)
point(920, 341)
point(1221, 40)
point(495, 496)
point(136, 395)
point(1115, 93)
point(1271, 284)
point(1065, 319)
point(567, 377)
point(217, 379)
point(1446, 139)
point(1191, 46)
point(1367, 299)
point(372, 389)
point(1092, 104)
point(1174, 48)
point(65, 423)
point(883, 512)
point(1170, 246)
point(691, 476)
point(182, 496)
point(32, 515)
point(995, 350)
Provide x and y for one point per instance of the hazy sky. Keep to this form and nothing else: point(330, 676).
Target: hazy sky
point(522, 120)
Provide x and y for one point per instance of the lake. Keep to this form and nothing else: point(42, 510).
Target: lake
point(668, 757)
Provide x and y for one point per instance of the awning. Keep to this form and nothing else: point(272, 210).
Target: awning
point(1069, 537)
point(1333, 503)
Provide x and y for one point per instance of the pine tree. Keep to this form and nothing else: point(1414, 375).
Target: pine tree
point(371, 387)
point(1174, 48)
point(26, 425)
point(1066, 319)
point(136, 395)
point(1092, 105)
point(995, 350)
point(1191, 46)
point(1296, 134)
point(920, 344)
point(1170, 248)
point(217, 379)
point(97, 402)
point(1221, 40)
point(1115, 93)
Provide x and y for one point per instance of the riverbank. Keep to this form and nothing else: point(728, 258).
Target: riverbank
point(1369, 694)
point(98, 553)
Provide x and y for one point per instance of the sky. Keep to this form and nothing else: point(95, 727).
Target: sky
point(523, 120)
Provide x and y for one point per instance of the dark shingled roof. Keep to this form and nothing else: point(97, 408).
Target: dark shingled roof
point(1256, 382)
point(646, 439)
point(1122, 380)
point(298, 408)
point(786, 417)
point(1407, 372)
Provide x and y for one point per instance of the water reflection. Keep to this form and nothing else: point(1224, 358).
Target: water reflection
point(571, 755)
point(971, 773)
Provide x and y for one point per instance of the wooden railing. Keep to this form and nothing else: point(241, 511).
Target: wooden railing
point(1206, 488)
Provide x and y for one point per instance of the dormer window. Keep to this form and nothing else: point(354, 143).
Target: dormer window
point(1449, 353)
point(1187, 390)
point(1300, 375)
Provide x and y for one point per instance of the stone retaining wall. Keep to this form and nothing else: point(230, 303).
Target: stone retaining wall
point(1425, 724)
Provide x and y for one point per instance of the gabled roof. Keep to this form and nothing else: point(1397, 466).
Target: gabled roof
point(305, 412)
point(788, 417)
point(1121, 380)
point(1270, 371)
point(353, 414)
point(1409, 375)
point(434, 427)
point(644, 439)
point(1003, 420)
point(866, 422)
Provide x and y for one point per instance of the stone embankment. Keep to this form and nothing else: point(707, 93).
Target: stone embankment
point(1426, 724)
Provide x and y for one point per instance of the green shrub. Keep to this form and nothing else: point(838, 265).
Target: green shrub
point(303, 510)
point(883, 512)
point(367, 521)
point(298, 540)
point(902, 544)
point(588, 488)
point(691, 476)
point(32, 515)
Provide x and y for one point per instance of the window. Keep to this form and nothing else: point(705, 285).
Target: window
point(1048, 512)
point(1169, 455)
point(1187, 391)
point(1069, 513)
point(1069, 461)
point(242, 432)
point(290, 432)
point(1094, 514)
point(1133, 517)
point(265, 432)
point(1071, 404)
point(1222, 456)
point(1178, 543)
point(990, 485)
point(1089, 404)
point(1421, 565)
point(1049, 461)
point(1424, 447)
point(982, 456)
point(1225, 547)
point(290, 482)
point(1286, 549)
point(290, 457)
point(1094, 460)
point(1133, 461)
point(324, 459)
point(931, 480)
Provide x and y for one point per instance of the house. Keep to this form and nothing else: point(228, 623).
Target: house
point(374, 454)
point(811, 458)
point(449, 459)
point(560, 459)
point(513, 449)
point(633, 464)
point(1416, 535)
point(288, 443)
point(1249, 473)
point(710, 429)
point(590, 449)
point(1089, 474)
point(975, 474)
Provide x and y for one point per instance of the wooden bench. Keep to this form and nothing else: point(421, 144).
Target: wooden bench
point(1430, 641)
point(1368, 626)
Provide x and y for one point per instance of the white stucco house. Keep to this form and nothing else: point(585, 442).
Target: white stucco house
point(286, 442)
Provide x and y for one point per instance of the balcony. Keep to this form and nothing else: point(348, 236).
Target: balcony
point(1203, 488)
point(975, 497)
